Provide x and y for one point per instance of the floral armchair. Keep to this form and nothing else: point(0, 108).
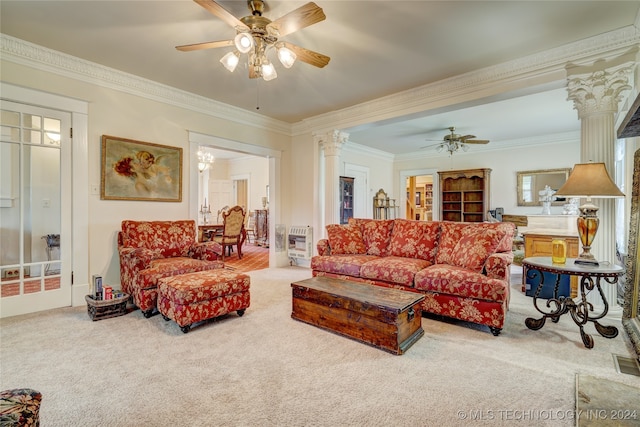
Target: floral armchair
point(150, 250)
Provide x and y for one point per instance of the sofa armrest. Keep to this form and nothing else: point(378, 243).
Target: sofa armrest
point(137, 258)
point(323, 247)
point(206, 251)
point(498, 265)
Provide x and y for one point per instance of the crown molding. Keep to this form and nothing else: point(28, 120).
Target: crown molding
point(354, 147)
point(543, 67)
point(25, 53)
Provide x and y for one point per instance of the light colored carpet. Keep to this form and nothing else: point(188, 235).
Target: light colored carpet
point(604, 403)
point(266, 369)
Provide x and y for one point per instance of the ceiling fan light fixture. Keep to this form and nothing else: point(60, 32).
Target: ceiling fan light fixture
point(440, 148)
point(286, 56)
point(268, 71)
point(244, 42)
point(231, 60)
point(465, 147)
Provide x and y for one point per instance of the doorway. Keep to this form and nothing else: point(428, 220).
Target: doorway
point(35, 200)
point(420, 189)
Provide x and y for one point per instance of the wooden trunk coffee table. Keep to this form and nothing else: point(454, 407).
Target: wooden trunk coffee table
point(390, 319)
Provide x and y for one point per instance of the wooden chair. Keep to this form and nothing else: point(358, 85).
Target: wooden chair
point(251, 227)
point(233, 232)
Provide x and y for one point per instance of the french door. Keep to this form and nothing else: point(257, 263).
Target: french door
point(35, 209)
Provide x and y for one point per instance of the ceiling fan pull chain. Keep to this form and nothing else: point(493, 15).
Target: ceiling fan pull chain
point(257, 94)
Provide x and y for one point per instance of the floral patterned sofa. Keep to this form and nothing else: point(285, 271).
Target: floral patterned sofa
point(462, 268)
point(150, 250)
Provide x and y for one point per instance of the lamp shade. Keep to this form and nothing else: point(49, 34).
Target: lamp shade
point(589, 180)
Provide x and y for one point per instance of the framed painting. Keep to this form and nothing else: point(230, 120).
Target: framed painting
point(136, 170)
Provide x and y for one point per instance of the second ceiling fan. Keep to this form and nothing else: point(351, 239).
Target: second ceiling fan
point(256, 35)
point(454, 142)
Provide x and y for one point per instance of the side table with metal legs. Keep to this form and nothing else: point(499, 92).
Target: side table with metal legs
point(581, 309)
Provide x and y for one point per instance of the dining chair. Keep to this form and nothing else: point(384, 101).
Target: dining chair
point(233, 231)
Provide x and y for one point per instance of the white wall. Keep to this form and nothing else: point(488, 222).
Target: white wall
point(113, 112)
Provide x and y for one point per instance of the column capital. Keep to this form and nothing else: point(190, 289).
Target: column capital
point(598, 90)
point(331, 142)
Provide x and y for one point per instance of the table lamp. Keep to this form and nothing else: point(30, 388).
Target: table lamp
point(589, 180)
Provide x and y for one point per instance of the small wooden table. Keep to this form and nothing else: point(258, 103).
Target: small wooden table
point(580, 308)
point(389, 319)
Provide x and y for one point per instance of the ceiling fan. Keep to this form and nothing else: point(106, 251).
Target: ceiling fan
point(454, 142)
point(256, 35)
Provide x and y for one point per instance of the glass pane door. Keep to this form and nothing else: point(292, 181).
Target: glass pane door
point(33, 150)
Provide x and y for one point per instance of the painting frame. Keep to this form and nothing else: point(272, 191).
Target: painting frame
point(140, 171)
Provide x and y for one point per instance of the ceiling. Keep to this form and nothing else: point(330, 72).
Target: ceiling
point(377, 48)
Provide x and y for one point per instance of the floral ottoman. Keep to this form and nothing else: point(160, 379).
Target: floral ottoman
point(194, 297)
point(20, 407)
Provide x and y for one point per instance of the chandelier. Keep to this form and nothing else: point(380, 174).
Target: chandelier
point(205, 159)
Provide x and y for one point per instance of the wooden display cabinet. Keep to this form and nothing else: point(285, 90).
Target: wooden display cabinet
point(464, 195)
point(346, 199)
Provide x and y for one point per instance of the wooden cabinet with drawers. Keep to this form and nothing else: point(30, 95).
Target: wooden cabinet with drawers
point(538, 243)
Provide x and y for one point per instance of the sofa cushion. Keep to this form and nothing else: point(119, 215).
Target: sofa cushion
point(450, 233)
point(164, 267)
point(393, 269)
point(414, 239)
point(455, 280)
point(345, 239)
point(340, 264)
point(376, 234)
point(474, 247)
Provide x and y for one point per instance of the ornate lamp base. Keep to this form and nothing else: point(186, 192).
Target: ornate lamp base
point(588, 223)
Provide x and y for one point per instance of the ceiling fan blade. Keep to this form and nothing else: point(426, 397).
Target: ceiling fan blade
point(462, 138)
point(476, 141)
point(205, 45)
point(310, 57)
point(221, 13)
point(297, 19)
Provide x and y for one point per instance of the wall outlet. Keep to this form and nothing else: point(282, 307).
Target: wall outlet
point(11, 273)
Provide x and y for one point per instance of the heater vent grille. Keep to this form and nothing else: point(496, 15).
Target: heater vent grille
point(300, 242)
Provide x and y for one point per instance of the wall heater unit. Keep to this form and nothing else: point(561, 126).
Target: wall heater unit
point(300, 242)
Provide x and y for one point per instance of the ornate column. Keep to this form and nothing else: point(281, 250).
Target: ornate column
point(331, 143)
point(596, 90)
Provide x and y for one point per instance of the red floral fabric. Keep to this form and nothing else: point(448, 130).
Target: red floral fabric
point(488, 313)
point(498, 266)
point(459, 281)
point(20, 407)
point(345, 239)
point(150, 250)
point(203, 285)
point(414, 239)
point(451, 232)
point(375, 233)
point(194, 297)
point(323, 247)
point(430, 258)
point(393, 269)
point(474, 247)
point(341, 264)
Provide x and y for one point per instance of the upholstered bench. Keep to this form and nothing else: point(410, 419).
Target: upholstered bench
point(194, 297)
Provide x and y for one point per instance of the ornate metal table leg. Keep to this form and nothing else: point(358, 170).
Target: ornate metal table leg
point(605, 331)
point(553, 313)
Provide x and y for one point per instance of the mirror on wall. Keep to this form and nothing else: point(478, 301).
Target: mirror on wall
point(530, 183)
point(631, 309)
